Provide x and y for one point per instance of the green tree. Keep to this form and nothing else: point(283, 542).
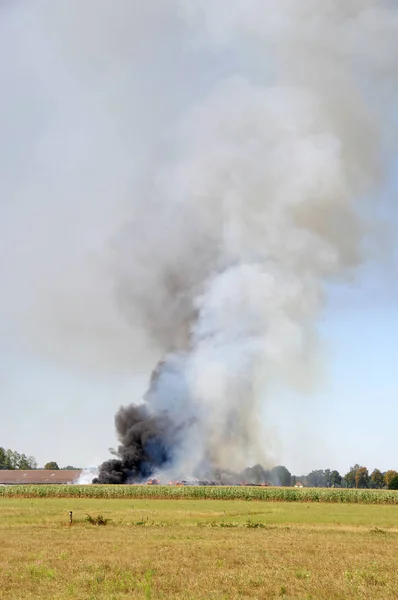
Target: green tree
point(393, 485)
point(362, 478)
point(327, 476)
point(389, 476)
point(377, 479)
point(12, 459)
point(51, 466)
point(281, 476)
point(9, 459)
point(316, 479)
point(349, 478)
point(32, 462)
point(335, 479)
point(27, 462)
point(3, 459)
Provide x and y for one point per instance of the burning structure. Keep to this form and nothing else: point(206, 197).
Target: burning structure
point(243, 222)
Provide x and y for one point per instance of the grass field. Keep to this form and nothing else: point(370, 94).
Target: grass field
point(197, 549)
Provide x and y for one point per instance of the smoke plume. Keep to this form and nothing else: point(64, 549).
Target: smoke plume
point(239, 148)
point(251, 207)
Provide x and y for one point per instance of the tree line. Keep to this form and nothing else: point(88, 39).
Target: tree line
point(357, 477)
point(11, 460)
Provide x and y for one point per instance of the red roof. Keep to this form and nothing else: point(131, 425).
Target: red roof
point(20, 476)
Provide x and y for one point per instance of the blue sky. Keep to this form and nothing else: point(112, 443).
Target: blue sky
point(351, 418)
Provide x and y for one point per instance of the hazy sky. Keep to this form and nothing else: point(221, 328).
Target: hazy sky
point(81, 102)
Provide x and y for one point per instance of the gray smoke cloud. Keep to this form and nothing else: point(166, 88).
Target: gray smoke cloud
point(257, 206)
point(226, 159)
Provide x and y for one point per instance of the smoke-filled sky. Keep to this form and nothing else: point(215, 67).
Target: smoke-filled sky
point(224, 168)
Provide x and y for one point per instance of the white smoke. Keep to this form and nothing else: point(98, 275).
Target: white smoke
point(258, 205)
point(87, 475)
point(245, 199)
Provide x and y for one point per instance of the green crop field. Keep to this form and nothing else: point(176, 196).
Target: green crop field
point(283, 494)
point(195, 549)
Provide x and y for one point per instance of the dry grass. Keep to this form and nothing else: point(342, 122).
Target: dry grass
point(196, 550)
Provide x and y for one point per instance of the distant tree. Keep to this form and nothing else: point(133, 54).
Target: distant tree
point(362, 478)
point(393, 485)
point(9, 459)
point(32, 462)
point(389, 476)
point(377, 479)
point(327, 476)
point(281, 476)
point(349, 478)
point(321, 478)
point(256, 474)
point(12, 459)
point(335, 479)
point(27, 462)
point(4, 461)
point(70, 468)
point(316, 479)
point(51, 466)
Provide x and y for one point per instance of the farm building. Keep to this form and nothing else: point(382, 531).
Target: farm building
point(38, 476)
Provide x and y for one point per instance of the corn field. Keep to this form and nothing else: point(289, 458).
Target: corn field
point(275, 494)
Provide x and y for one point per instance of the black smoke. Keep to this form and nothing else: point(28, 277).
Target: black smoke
point(150, 438)
point(149, 435)
point(146, 444)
